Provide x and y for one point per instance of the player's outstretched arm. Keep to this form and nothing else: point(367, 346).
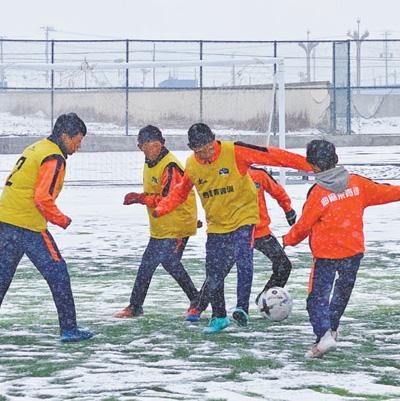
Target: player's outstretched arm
point(247, 154)
point(176, 196)
point(379, 194)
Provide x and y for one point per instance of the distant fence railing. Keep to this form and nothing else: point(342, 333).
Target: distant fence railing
point(334, 86)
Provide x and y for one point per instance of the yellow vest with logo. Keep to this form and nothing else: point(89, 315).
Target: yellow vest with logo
point(182, 221)
point(17, 206)
point(230, 200)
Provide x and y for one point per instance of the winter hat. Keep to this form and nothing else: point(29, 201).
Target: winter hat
point(199, 135)
point(322, 153)
point(150, 133)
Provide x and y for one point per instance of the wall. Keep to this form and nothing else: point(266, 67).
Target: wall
point(239, 108)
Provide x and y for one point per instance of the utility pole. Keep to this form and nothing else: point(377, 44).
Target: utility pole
point(47, 30)
point(308, 48)
point(355, 35)
point(386, 55)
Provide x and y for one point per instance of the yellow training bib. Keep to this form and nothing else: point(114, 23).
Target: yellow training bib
point(17, 204)
point(181, 222)
point(229, 199)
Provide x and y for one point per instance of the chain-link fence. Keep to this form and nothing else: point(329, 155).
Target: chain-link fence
point(331, 86)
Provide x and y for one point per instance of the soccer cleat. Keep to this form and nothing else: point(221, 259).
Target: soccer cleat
point(74, 335)
point(240, 316)
point(192, 315)
point(314, 352)
point(217, 324)
point(326, 344)
point(129, 311)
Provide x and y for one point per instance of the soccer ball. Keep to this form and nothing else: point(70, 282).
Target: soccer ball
point(275, 304)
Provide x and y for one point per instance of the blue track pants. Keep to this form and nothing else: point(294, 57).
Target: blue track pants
point(222, 251)
point(41, 249)
point(325, 313)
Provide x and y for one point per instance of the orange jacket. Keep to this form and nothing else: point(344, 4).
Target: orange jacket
point(265, 183)
point(50, 174)
point(245, 156)
point(334, 222)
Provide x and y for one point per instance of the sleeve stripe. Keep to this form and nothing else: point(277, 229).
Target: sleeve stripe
point(250, 146)
point(171, 167)
point(60, 163)
point(56, 174)
point(375, 182)
point(53, 157)
point(309, 191)
point(265, 172)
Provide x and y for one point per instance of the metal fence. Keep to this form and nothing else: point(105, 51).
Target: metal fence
point(332, 86)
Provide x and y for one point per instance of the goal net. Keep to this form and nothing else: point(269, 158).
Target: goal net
point(240, 98)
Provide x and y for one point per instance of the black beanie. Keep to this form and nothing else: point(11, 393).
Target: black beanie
point(199, 135)
point(150, 133)
point(322, 153)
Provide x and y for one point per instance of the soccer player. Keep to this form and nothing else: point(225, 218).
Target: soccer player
point(333, 220)
point(218, 170)
point(265, 241)
point(168, 235)
point(27, 204)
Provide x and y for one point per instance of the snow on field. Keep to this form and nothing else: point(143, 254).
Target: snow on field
point(161, 357)
point(39, 124)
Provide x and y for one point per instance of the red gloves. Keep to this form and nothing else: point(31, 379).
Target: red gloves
point(134, 197)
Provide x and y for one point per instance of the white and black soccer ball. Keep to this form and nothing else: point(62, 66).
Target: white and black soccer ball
point(275, 304)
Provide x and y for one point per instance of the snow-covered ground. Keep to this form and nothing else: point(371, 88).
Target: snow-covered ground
point(161, 357)
point(39, 124)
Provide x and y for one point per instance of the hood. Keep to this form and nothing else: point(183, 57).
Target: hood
point(334, 179)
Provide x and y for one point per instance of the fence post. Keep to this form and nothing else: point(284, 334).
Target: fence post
point(52, 89)
point(348, 88)
point(333, 104)
point(127, 89)
point(274, 99)
point(201, 82)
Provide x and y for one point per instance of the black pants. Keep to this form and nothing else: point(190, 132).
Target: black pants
point(281, 268)
point(281, 265)
point(167, 252)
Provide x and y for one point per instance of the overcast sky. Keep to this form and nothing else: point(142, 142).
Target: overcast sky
point(205, 19)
